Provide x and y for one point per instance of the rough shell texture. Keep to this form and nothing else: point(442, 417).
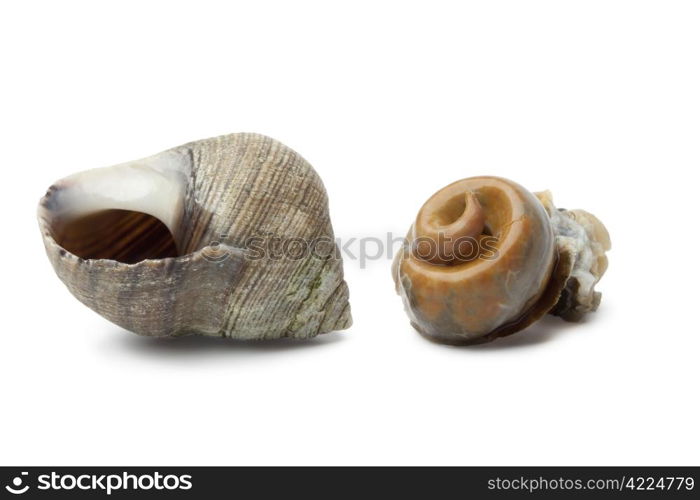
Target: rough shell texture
point(584, 240)
point(214, 196)
point(537, 260)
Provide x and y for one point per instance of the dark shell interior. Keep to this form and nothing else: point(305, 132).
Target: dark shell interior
point(121, 235)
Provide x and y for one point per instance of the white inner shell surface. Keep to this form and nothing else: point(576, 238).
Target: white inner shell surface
point(154, 186)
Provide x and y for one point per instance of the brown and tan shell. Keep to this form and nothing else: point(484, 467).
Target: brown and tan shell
point(525, 258)
point(162, 246)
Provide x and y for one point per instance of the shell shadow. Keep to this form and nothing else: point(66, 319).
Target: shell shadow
point(195, 346)
point(544, 330)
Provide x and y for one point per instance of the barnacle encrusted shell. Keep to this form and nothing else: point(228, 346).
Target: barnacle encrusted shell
point(525, 258)
point(162, 246)
point(583, 240)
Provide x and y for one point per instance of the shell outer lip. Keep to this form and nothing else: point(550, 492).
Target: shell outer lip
point(50, 242)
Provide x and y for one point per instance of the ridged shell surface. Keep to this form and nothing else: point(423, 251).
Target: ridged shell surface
point(215, 197)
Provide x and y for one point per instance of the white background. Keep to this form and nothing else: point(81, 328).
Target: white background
point(598, 101)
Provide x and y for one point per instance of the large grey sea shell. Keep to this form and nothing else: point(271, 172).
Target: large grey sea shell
point(227, 190)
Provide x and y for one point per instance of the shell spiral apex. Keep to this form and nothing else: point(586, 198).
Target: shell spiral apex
point(228, 236)
point(486, 258)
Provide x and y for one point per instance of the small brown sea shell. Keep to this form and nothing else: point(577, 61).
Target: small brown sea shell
point(486, 258)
